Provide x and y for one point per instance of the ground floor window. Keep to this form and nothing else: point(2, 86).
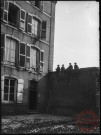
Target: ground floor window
point(12, 89)
point(9, 89)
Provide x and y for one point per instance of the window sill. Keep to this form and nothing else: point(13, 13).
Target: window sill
point(7, 102)
point(21, 68)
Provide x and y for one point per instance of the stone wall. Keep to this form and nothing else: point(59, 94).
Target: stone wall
point(68, 93)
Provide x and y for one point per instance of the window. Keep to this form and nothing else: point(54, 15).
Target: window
point(10, 51)
point(22, 19)
point(29, 23)
point(13, 15)
point(12, 88)
point(4, 10)
point(34, 27)
point(37, 4)
point(43, 30)
point(41, 61)
point(22, 54)
point(9, 89)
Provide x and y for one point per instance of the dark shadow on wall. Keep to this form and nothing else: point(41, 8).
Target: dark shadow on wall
point(68, 93)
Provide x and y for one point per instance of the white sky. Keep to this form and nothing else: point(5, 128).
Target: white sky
point(76, 33)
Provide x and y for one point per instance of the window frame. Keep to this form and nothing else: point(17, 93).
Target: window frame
point(43, 30)
point(29, 24)
point(41, 62)
point(22, 19)
point(15, 88)
point(13, 38)
point(4, 10)
point(22, 55)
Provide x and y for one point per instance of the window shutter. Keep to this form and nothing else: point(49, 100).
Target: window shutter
point(38, 60)
point(41, 61)
point(5, 11)
point(2, 8)
point(2, 46)
point(2, 86)
point(22, 54)
point(27, 56)
point(32, 2)
point(20, 91)
point(22, 19)
point(29, 23)
point(43, 30)
point(41, 5)
point(17, 55)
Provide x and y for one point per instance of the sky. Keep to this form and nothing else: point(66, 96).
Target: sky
point(76, 34)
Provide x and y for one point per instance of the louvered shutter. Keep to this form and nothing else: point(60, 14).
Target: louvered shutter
point(2, 46)
point(38, 60)
point(2, 8)
point(29, 23)
point(5, 11)
point(43, 30)
point(41, 5)
point(22, 19)
point(27, 56)
point(22, 54)
point(2, 87)
point(17, 55)
point(20, 91)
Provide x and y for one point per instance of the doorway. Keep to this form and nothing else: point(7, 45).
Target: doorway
point(32, 95)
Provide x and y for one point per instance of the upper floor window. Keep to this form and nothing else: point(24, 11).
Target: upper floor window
point(33, 25)
point(37, 4)
point(10, 51)
point(20, 54)
point(13, 14)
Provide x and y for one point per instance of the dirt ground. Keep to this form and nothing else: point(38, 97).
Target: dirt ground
point(40, 123)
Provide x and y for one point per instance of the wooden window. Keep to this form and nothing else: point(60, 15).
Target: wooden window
point(41, 5)
point(34, 27)
point(10, 50)
point(8, 89)
point(43, 30)
point(4, 10)
point(33, 58)
point(37, 4)
point(22, 19)
point(29, 23)
point(2, 46)
point(20, 91)
point(41, 60)
point(28, 56)
point(13, 15)
point(22, 54)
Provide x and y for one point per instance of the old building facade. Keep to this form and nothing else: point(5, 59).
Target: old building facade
point(27, 46)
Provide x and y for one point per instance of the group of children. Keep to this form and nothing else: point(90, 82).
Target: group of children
point(70, 67)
